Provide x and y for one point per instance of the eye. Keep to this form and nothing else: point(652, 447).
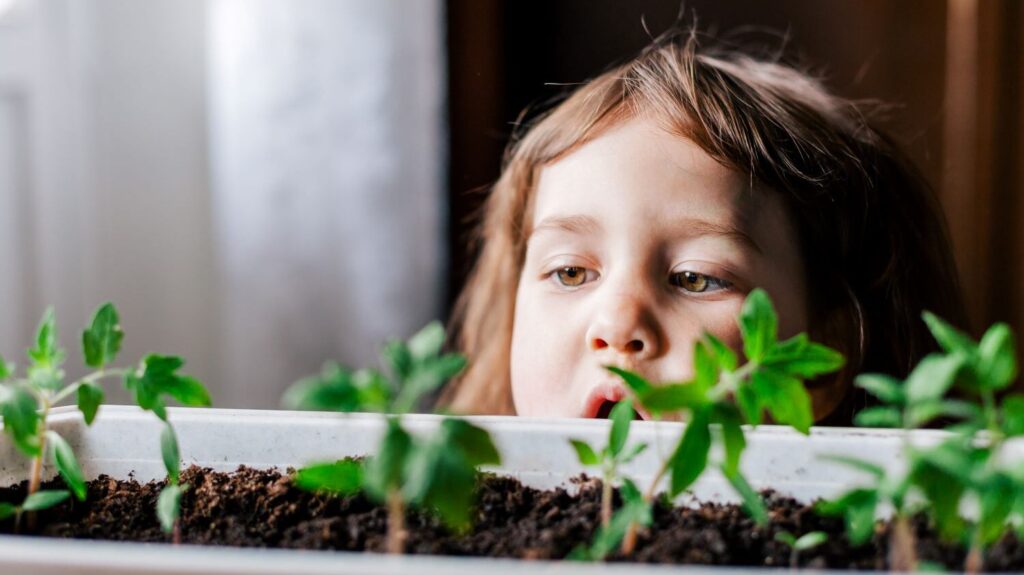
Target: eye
point(571, 276)
point(697, 283)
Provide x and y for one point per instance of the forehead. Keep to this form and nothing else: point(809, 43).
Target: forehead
point(637, 172)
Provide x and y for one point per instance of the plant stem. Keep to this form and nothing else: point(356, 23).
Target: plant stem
point(794, 558)
point(902, 540)
point(37, 461)
point(975, 559)
point(396, 523)
point(629, 540)
point(91, 378)
point(728, 382)
point(649, 494)
point(176, 533)
point(606, 500)
point(902, 551)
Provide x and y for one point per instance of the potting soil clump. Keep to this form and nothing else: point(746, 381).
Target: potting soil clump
point(257, 508)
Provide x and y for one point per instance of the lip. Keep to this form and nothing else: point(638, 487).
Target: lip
point(607, 391)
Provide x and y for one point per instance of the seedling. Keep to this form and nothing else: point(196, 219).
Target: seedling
point(635, 510)
point(970, 465)
point(611, 456)
point(806, 542)
point(25, 402)
point(42, 499)
point(908, 405)
point(728, 395)
point(437, 473)
point(965, 465)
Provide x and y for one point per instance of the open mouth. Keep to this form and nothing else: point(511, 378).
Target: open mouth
point(604, 410)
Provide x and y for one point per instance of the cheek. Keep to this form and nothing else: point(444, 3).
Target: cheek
point(541, 358)
point(718, 319)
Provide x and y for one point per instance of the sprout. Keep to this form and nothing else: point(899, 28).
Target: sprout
point(437, 473)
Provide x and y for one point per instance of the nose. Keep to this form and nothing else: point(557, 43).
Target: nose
point(625, 325)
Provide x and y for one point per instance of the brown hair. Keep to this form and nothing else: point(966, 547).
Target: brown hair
point(872, 234)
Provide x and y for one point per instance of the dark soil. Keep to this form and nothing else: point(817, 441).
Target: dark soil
point(254, 508)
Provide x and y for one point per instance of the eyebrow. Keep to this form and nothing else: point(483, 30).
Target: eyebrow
point(704, 227)
point(572, 224)
point(580, 224)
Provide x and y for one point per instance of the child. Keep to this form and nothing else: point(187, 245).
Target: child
point(640, 211)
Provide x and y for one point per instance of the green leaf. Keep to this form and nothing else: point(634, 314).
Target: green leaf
point(944, 473)
point(673, 397)
point(785, 397)
point(67, 464)
point(758, 324)
point(427, 343)
point(951, 339)
point(639, 385)
point(786, 538)
point(6, 510)
point(749, 404)
point(6, 369)
point(146, 396)
point(924, 412)
point(997, 498)
point(452, 498)
point(90, 396)
point(955, 457)
point(705, 368)
point(886, 388)
point(337, 388)
point(724, 357)
point(752, 501)
point(732, 436)
point(932, 377)
point(157, 377)
point(1013, 415)
point(441, 475)
point(44, 499)
point(877, 471)
point(341, 477)
point(636, 450)
point(396, 356)
point(426, 376)
point(473, 442)
point(943, 492)
point(801, 358)
point(810, 540)
point(188, 391)
point(373, 390)
point(586, 454)
point(998, 357)
point(170, 453)
point(621, 416)
point(857, 507)
point(46, 354)
point(21, 420)
point(878, 416)
point(691, 456)
point(384, 471)
point(168, 506)
point(102, 341)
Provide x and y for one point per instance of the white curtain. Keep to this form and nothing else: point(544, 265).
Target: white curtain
point(257, 184)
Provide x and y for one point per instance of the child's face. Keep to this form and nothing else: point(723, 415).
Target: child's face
point(640, 242)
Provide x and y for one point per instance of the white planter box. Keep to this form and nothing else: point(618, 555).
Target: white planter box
point(125, 440)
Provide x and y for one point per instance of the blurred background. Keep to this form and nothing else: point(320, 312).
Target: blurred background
point(262, 185)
